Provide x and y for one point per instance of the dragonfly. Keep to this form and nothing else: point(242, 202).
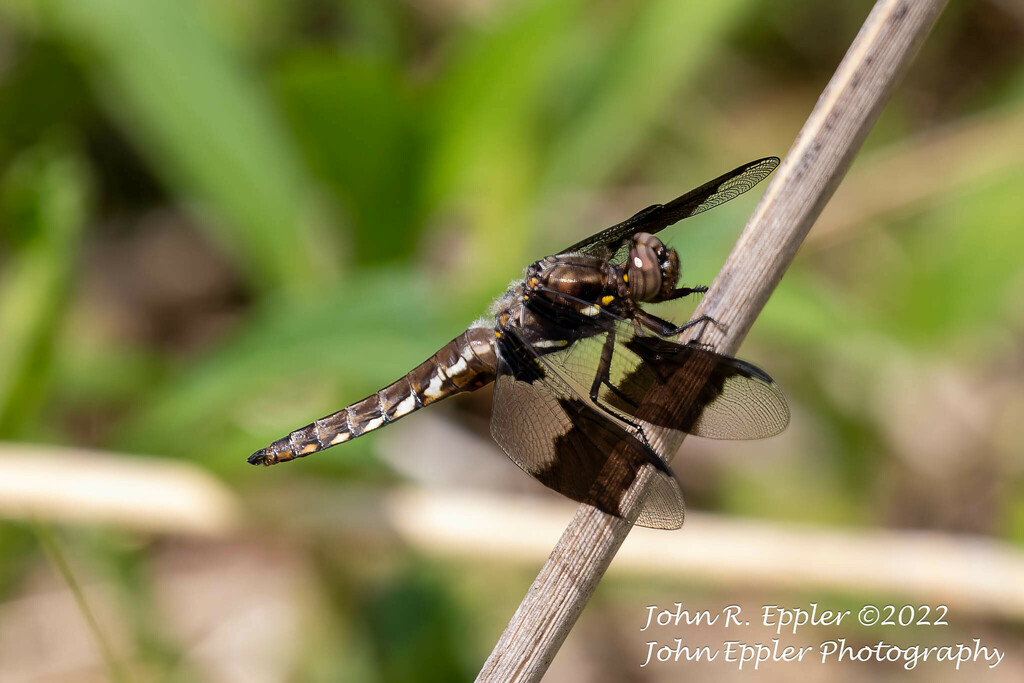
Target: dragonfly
point(582, 372)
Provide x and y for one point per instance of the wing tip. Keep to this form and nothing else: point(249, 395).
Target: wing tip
point(664, 509)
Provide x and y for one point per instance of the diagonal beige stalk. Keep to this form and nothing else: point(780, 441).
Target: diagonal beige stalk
point(805, 181)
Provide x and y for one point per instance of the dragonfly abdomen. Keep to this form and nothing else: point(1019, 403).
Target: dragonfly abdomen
point(465, 363)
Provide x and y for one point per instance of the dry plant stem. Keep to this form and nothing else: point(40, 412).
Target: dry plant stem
point(52, 548)
point(802, 185)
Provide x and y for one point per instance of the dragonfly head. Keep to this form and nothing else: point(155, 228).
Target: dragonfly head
point(652, 268)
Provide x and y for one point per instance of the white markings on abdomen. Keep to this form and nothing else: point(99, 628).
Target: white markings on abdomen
point(406, 406)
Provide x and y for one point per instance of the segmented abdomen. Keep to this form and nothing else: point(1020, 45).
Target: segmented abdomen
point(465, 363)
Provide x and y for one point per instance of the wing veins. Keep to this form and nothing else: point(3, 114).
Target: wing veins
point(683, 387)
point(653, 219)
point(594, 459)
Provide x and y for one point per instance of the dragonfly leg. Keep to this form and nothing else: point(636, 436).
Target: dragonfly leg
point(704, 319)
point(603, 374)
point(663, 327)
point(680, 292)
point(603, 377)
point(604, 367)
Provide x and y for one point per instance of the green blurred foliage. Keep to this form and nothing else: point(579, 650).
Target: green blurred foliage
point(352, 183)
point(44, 198)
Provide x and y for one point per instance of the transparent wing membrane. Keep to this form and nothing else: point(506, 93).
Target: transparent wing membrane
point(612, 242)
point(684, 387)
point(556, 434)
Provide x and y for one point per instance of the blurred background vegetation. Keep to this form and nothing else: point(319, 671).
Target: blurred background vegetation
point(221, 220)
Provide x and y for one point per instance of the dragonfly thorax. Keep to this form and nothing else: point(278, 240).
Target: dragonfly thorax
point(575, 280)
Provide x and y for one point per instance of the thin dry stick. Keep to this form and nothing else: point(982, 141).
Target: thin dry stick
point(56, 555)
point(803, 184)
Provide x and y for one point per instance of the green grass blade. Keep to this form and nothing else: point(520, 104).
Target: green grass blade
point(206, 126)
point(44, 198)
point(642, 75)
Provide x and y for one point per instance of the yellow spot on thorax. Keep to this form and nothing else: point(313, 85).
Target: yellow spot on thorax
point(607, 299)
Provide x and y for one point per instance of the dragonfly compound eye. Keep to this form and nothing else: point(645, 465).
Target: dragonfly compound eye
point(644, 270)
